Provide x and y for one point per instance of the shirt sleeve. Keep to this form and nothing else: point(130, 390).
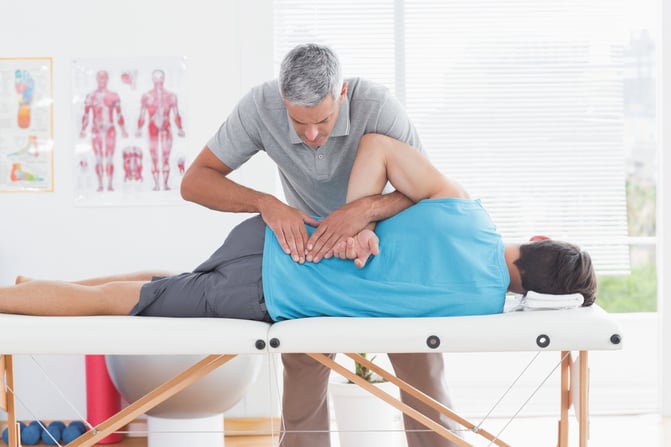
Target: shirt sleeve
point(393, 120)
point(237, 140)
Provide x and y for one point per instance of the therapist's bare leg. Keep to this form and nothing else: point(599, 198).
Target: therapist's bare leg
point(60, 298)
point(305, 417)
point(426, 372)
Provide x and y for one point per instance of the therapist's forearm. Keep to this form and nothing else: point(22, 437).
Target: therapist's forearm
point(383, 206)
point(209, 188)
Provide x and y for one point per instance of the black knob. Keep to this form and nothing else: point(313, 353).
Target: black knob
point(275, 342)
point(260, 344)
point(616, 339)
point(543, 341)
point(433, 341)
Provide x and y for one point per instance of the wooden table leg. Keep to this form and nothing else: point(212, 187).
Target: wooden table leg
point(584, 400)
point(7, 396)
point(562, 436)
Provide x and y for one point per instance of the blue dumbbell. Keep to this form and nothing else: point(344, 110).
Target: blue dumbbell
point(52, 435)
point(74, 430)
point(5, 432)
point(79, 424)
point(31, 434)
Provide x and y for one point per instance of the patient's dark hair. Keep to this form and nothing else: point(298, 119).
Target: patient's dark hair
point(557, 268)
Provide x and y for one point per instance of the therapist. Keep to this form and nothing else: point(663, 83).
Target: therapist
point(310, 122)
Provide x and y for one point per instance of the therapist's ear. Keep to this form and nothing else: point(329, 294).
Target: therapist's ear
point(539, 237)
point(343, 92)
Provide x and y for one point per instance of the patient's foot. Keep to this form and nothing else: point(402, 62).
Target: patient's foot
point(21, 279)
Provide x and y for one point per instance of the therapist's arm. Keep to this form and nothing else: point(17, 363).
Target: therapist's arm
point(351, 218)
point(206, 182)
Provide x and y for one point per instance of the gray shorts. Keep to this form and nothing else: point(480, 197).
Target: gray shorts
point(227, 285)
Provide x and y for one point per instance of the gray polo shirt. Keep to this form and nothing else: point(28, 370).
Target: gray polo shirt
point(314, 180)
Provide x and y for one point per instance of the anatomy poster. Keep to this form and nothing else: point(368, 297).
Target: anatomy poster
point(130, 128)
point(26, 124)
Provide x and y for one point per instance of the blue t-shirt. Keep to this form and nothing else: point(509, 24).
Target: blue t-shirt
point(440, 257)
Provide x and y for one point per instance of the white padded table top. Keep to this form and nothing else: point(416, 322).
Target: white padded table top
point(129, 335)
point(588, 328)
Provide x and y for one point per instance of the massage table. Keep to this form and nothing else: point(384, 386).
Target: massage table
point(578, 330)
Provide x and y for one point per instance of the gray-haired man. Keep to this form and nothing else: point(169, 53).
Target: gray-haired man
point(310, 122)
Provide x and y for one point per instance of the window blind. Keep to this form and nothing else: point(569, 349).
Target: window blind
point(519, 100)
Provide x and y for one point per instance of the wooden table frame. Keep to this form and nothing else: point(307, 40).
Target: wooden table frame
point(123, 417)
point(567, 389)
point(212, 362)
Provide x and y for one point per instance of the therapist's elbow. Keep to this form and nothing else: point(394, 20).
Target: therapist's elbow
point(189, 188)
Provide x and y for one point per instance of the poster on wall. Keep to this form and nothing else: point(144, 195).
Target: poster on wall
point(26, 124)
point(129, 130)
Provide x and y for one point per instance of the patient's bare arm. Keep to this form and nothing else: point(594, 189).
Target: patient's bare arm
point(359, 248)
point(382, 159)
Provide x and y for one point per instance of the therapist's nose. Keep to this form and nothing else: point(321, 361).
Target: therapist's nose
point(311, 133)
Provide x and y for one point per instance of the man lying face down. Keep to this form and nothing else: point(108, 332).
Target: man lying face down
point(440, 257)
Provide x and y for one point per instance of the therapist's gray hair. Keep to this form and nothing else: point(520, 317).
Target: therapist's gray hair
point(308, 73)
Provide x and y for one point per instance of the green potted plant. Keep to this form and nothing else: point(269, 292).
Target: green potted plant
point(364, 372)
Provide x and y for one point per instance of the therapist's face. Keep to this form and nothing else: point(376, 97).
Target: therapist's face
point(315, 124)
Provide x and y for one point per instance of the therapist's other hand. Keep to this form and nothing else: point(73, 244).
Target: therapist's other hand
point(288, 224)
point(359, 248)
point(343, 223)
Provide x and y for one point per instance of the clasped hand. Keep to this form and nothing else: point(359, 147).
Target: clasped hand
point(359, 248)
point(338, 234)
point(341, 234)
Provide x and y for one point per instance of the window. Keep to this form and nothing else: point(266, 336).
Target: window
point(528, 103)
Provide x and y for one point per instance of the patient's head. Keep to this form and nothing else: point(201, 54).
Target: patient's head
point(558, 268)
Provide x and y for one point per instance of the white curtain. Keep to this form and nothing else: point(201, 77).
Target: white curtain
point(519, 100)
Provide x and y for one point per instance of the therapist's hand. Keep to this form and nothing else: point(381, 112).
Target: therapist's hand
point(288, 224)
point(343, 223)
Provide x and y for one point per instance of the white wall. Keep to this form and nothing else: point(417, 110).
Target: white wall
point(664, 204)
point(228, 48)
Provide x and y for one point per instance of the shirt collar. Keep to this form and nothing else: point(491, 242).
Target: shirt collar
point(340, 129)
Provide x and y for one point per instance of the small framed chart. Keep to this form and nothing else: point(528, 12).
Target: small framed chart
point(26, 124)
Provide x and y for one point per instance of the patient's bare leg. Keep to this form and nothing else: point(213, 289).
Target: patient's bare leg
point(59, 298)
point(136, 276)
